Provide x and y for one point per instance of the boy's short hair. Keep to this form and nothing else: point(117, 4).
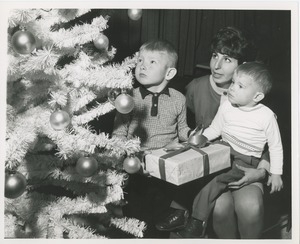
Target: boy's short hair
point(234, 43)
point(259, 73)
point(162, 46)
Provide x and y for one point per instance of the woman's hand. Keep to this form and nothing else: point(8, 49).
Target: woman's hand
point(250, 176)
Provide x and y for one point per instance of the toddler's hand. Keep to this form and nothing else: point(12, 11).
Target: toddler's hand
point(276, 183)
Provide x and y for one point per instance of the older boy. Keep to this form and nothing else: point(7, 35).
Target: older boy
point(158, 119)
point(159, 114)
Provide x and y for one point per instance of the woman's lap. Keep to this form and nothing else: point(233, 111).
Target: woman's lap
point(242, 207)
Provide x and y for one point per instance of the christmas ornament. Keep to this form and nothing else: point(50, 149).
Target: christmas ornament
point(134, 14)
point(59, 120)
point(86, 166)
point(131, 164)
point(15, 184)
point(23, 42)
point(124, 103)
point(101, 42)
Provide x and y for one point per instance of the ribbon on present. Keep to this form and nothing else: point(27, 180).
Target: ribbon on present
point(161, 161)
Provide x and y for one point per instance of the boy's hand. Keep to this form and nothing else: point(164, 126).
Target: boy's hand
point(276, 183)
point(141, 155)
point(173, 146)
point(143, 170)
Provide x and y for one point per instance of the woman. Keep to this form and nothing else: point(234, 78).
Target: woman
point(239, 212)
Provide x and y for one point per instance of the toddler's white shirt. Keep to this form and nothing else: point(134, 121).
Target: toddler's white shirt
point(247, 130)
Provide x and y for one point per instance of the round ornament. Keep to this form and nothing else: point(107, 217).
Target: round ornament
point(23, 42)
point(101, 42)
point(124, 103)
point(15, 184)
point(134, 14)
point(86, 166)
point(131, 164)
point(59, 120)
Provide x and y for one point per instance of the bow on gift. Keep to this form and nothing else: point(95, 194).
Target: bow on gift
point(195, 139)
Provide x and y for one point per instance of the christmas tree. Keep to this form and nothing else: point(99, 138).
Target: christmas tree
point(60, 77)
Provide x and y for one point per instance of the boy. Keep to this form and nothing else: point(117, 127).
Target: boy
point(159, 114)
point(246, 125)
point(158, 119)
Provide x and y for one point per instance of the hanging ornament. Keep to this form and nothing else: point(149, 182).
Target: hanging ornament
point(101, 42)
point(124, 103)
point(23, 42)
point(59, 120)
point(15, 184)
point(86, 166)
point(134, 14)
point(131, 164)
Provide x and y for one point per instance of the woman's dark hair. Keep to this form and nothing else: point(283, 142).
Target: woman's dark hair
point(233, 42)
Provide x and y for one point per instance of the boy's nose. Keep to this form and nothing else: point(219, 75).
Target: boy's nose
point(143, 67)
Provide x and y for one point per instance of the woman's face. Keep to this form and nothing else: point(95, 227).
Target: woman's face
point(222, 67)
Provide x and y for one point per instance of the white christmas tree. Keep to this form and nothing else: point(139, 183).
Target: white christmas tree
point(54, 75)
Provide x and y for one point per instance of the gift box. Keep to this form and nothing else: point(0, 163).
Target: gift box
point(187, 164)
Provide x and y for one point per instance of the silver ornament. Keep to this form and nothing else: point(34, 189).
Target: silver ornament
point(101, 42)
point(23, 42)
point(59, 120)
point(131, 164)
point(124, 103)
point(134, 14)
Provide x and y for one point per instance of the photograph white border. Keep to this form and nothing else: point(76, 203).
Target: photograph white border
point(293, 6)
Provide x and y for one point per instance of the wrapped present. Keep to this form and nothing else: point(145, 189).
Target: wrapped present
point(188, 163)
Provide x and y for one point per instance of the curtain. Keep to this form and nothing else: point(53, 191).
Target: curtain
point(191, 32)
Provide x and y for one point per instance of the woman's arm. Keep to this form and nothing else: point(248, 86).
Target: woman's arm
point(250, 176)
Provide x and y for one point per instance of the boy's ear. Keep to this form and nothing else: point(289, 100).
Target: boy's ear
point(258, 97)
point(171, 72)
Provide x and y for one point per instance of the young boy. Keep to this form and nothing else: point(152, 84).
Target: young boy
point(246, 125)
point(159, 114)
point(158, 119)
